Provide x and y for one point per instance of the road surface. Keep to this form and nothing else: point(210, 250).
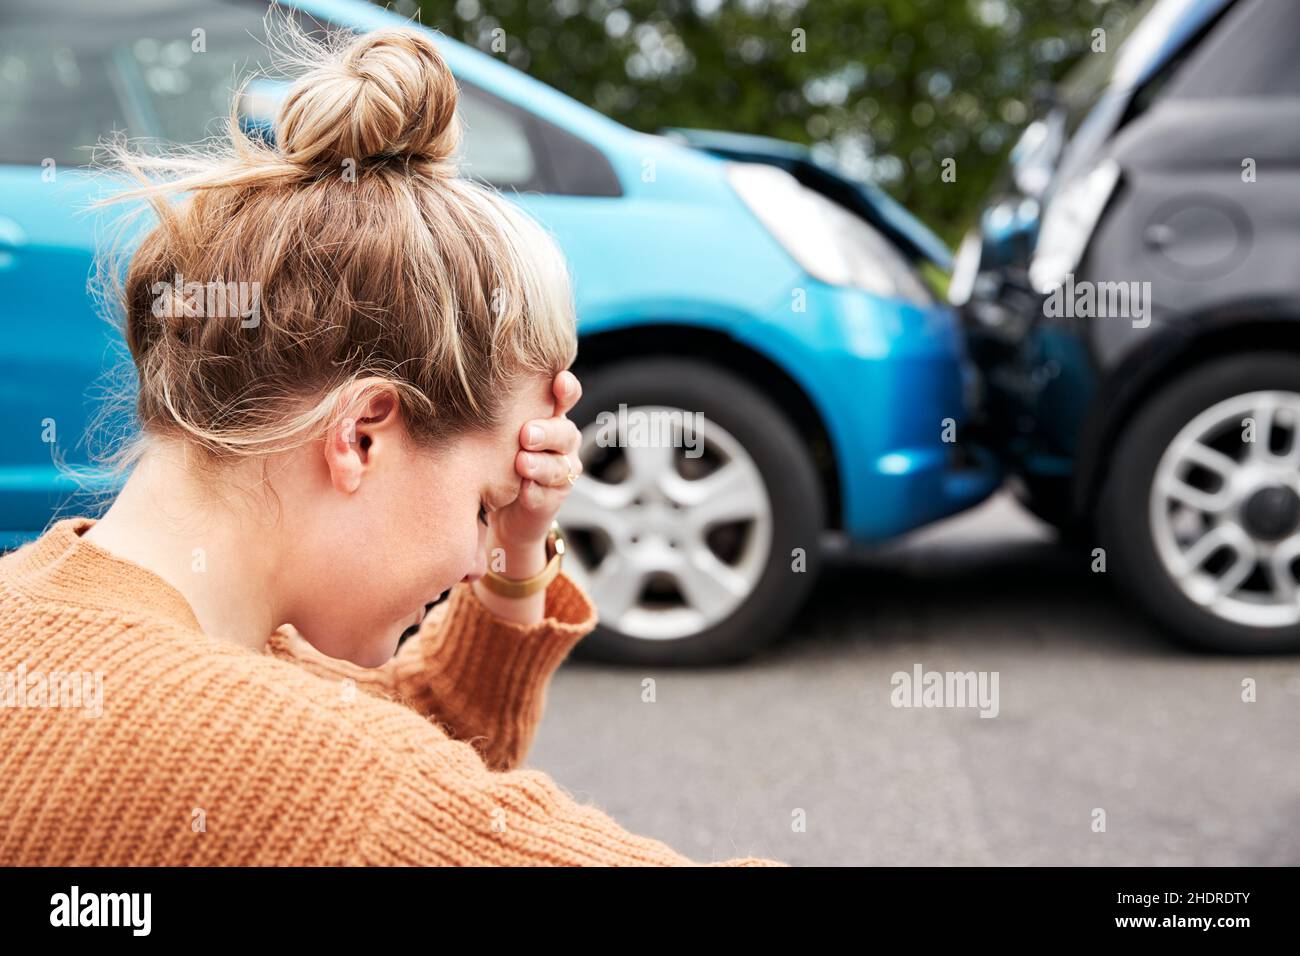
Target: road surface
point(800, 755)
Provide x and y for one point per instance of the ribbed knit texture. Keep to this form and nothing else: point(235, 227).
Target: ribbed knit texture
point(208, 753)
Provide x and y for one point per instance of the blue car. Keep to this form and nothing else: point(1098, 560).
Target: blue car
point(764, 366)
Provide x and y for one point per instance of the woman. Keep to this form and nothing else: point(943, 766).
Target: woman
point(312, 471)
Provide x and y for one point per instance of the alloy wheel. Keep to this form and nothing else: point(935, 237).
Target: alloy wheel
point(1225, 509)
point(668, 540)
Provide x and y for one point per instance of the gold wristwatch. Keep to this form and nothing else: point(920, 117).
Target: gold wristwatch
point(512, 588)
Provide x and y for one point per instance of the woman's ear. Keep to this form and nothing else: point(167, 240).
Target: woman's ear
point(363, 436)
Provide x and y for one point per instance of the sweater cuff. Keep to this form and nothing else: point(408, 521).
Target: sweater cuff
point(488, 658)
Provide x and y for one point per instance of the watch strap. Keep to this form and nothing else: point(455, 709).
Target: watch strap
point(521, 588)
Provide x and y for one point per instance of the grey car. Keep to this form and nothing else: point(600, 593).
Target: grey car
point(1132, 293)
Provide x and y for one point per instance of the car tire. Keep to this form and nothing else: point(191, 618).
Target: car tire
point(1135, 516)
point(759, 439)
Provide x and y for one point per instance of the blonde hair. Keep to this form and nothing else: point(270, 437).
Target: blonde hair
point(365, 253)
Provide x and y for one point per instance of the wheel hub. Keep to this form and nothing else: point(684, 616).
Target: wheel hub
point(1271, 513)
point(653, 519)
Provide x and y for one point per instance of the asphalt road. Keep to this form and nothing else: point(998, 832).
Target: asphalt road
point(1097, 710)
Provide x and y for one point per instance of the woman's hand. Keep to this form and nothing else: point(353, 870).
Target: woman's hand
point(548, 454)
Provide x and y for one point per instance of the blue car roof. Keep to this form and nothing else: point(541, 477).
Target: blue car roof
point(518, 87)
point(475, 67)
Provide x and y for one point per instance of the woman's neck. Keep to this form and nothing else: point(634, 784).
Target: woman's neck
point(221, 555)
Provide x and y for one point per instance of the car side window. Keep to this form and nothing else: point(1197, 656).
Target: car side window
point(185, 92)
point(168, 72)
point(74, 71)
point(496, 147)
point(510, 148)
point(55, 93)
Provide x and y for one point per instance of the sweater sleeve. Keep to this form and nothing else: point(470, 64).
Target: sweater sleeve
point(440, 805)
point(482, 678)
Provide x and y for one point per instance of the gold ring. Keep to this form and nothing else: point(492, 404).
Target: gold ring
point(570, 477)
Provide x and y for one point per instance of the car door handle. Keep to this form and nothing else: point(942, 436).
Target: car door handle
point(12, 240)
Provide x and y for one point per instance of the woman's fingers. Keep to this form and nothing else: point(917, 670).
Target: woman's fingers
point(547, 468)
point(550, 435)
point(548, 456)
point(567, 391)
point(549, 452)
point(532, 496)
point(539, 499)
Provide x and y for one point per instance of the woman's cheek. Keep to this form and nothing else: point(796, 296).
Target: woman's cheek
point(479, 558)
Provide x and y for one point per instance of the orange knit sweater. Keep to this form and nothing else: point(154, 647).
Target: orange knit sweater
point(198, 751)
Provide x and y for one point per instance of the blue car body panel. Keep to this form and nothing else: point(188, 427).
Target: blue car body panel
point(677, 247)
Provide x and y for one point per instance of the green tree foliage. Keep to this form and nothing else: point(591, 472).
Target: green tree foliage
point(889, 88)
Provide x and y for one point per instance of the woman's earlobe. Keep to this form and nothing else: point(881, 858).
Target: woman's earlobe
point(350, 442)
point(343, 455)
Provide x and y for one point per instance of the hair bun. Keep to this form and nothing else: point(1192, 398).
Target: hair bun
point(381, 95)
